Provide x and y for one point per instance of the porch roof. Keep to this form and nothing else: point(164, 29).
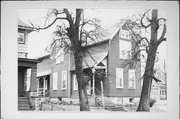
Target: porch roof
point(28, 63)
point(43, 73)
point(91, 60)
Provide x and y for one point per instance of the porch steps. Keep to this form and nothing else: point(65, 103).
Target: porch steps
point(24, 103)
point(108, 104)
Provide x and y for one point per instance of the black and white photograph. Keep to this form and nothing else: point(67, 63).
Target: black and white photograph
point(92, 60)
point(84, 59)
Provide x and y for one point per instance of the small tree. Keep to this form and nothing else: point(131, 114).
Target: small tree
point(73, 34)
point(149, 45)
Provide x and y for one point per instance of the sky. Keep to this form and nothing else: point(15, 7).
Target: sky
point(38, 41)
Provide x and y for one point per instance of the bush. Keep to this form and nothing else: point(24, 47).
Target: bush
point(152, 101)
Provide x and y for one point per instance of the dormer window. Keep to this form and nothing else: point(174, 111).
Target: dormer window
point(21, 38)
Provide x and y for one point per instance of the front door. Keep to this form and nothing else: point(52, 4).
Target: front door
point(20, 82)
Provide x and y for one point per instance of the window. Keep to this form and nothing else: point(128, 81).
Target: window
point(64, 80)
point(21, 38)
point(55, 81)
point(59, 56)
point(45, 85)
point(119, 78)
point(75, 83)
point(124, 34)
point(89, 88)
point(132, 79)
point(124, 49)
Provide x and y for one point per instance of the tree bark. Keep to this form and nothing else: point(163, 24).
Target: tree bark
point(146, 89)
point(73, 32)
point(144, 104)
point(83, 98)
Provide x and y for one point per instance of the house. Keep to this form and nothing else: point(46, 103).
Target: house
point(27, 83)
point(105, 65)
point(43, 75)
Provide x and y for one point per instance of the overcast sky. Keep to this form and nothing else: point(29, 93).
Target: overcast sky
point(38, 41)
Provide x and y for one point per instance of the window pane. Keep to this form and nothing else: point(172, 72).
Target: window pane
point(131, 78)
point(124, 49)
point(55, 81)
point(75, 82)
point(119, 78)
point(64, 80)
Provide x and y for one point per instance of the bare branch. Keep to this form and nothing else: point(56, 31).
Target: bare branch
point(68, 17)
point(157, 80)
point(43, 28)
point(141, 21)
point(161, 39)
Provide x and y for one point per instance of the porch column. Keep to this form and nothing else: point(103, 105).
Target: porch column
point(93, 71)
point(44, 78)
point(38, 86)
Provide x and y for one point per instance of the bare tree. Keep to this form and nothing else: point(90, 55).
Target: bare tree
point(73, 34)
point(149, 46)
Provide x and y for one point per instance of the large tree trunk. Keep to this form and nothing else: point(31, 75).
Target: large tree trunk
point(73, 33)
point(144, 103)
point(83, 98)
point(146, 89)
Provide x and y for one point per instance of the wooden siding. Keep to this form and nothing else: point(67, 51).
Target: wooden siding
point(115, 62)
point(63, 66)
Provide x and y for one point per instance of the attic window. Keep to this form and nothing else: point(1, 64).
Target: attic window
point(124, 34)
point(21, 38)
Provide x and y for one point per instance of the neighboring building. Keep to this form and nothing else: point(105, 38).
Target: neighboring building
point(105, 61)
point(158, 91)
point(43, 75)
point(26, 69)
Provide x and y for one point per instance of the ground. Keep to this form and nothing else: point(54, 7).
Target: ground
point(157, 107)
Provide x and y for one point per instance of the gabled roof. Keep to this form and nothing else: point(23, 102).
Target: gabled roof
point(22, 25)
point(43, 56)
point(93, 60)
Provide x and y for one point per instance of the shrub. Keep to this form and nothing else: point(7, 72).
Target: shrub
point(152, 101)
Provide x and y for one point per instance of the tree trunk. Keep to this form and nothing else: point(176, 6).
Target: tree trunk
point(144, 103)
point(146, 89)
point(73, 33)
point(83, 98)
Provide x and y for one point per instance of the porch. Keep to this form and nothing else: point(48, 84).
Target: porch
point(26, 82)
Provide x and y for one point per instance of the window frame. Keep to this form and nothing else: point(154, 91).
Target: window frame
point(122, 78)
point(134, 76)
point(55, 79)
point(127, 52)
point(75, 87)
point(62, 80)
point(21, 42)
point(59, 56)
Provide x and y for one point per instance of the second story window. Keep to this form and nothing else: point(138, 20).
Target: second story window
point(59, 56)
point(124, 49)
point(21, 38)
